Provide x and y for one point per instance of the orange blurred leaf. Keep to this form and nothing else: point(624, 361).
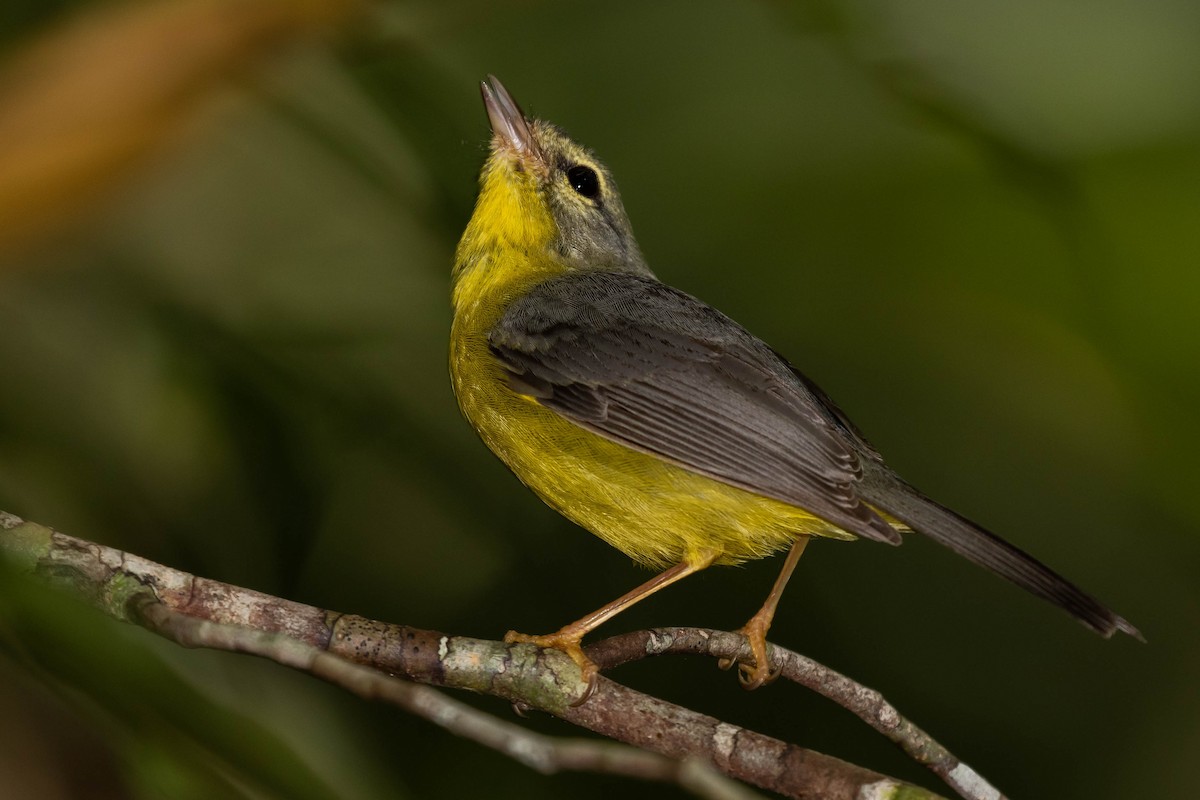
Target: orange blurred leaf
point(89, 100)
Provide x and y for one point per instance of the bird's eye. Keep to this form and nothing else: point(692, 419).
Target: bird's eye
point(584, 181)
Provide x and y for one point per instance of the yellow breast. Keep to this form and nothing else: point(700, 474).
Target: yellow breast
point(654, 511)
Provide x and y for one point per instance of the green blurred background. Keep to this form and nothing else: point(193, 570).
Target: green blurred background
point(976, 225)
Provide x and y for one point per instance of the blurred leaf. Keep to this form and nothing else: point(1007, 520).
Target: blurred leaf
point(92, 98)
point(157, 711)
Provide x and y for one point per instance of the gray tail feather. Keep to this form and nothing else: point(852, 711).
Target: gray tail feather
point(885, 490)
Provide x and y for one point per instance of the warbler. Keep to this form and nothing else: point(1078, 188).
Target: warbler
point(652, 419)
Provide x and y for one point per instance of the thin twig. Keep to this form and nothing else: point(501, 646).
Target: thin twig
point(865, 703)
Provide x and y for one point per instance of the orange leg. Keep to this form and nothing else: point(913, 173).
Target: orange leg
point(568, 638)
point(758, 673)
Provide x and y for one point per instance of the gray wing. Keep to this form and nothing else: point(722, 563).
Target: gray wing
point(655, 369)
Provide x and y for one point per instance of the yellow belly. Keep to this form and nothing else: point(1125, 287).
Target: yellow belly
point(655, 512)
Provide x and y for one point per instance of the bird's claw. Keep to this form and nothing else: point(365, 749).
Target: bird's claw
point(755, 671)
point(752, 677)
point(568, 643)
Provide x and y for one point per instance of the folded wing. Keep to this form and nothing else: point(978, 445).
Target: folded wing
point(656, 370)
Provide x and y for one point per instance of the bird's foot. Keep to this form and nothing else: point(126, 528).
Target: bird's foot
point(567, 641)
point(757, 671)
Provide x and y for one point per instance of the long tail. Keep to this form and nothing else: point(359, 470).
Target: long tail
point(885, 490)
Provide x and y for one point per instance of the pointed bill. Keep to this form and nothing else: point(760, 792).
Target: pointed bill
point(510, 129)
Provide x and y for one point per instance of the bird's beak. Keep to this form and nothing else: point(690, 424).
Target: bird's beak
point(510, 129)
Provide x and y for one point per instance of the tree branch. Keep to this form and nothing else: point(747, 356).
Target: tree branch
point(355, 653)
point(542, 753)
point(865, 703)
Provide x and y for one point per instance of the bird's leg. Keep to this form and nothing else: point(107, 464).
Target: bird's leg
point(759, 672)
point(569, 637)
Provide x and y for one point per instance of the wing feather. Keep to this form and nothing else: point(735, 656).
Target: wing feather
point(655, 369)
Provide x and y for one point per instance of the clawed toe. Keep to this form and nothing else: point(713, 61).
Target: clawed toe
point(754, 671)
point(568, 643)
point(752, 677)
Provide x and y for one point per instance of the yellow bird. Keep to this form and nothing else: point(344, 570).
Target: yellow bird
point(650, 418)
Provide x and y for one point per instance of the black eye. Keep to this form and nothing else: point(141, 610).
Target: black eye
point(584, 181)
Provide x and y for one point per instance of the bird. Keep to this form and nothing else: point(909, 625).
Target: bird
point(650, 418)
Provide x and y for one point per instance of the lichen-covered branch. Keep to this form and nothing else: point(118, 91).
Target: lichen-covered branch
point(542, 753)
point(355, 652)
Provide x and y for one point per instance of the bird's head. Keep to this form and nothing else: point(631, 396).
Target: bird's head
point(542, 193)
